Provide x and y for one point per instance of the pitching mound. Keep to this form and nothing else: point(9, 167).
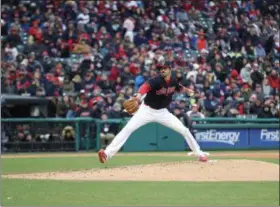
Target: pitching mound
point(215, 170)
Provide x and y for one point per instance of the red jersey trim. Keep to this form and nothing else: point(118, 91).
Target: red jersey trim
point(145, 88)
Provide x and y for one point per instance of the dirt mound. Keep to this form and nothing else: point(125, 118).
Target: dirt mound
point(241, 154)
point(214, 170)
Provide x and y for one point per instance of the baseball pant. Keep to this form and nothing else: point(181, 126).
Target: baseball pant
point(145, 115)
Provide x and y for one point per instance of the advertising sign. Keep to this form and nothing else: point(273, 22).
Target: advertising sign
point(264, 138)
point(222, 138)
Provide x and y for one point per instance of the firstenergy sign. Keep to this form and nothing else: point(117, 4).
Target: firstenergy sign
point(269, 135)
point(218, 136)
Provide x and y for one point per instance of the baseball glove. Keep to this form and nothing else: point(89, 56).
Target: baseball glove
point(131, 105)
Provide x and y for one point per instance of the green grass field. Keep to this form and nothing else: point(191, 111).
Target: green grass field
point(20, 192)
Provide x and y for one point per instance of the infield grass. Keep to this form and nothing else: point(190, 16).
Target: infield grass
point(64, 193)
point(19, 192)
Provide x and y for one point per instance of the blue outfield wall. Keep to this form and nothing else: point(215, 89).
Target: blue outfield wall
point(223, 138)
point(264, 138)
point(237, 133)
point(238, 138)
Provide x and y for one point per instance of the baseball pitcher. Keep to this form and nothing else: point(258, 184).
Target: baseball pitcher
point(156, 94)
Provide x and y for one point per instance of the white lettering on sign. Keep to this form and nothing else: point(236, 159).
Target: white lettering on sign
point(271, 136)
point(221, 137)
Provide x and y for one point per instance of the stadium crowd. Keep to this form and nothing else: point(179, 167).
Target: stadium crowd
point(89, 56)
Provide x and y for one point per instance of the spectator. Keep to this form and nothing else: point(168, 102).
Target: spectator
point(13, 37)
point(260, 52)
point(23, 134)
point(211, 104)
point(274, 81)
point(267, 89)
point(256, 106)
point(201, 42)
point(194, 112)
point(64, 106)
point(84, 110)
point(107, 133)
point(108, 49)
point(245, 73)
point(129, 25)
point(265, 112)
point(83, 17)
point(276, 66)
point(256, 76)
point(68, 86)
point(246, 92)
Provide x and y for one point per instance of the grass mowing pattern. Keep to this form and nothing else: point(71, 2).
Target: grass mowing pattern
point(62, 193)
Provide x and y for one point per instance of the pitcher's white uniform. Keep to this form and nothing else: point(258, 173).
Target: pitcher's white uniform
point(158, 95)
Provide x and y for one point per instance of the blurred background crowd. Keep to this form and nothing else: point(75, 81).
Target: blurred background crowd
point(89, 56)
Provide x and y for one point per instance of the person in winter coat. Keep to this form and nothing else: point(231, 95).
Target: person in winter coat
point(265, 112)
point(211, 104)
point(245, 73)
point(84, 110)
point(256, 76)
point(235, 78)
point(246, 92)
point(220, 72)
point(201, 42)
point(194, 112)
point(274, 81)
point(260, 52)
point(276, 66)
point(68, 85)
point(235, 44)
point(256, 107)
point(218, 92)
point(107, 131)
point(267, 89)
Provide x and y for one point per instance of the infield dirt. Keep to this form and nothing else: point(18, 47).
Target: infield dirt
point(242, 154)
point(214, 170)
